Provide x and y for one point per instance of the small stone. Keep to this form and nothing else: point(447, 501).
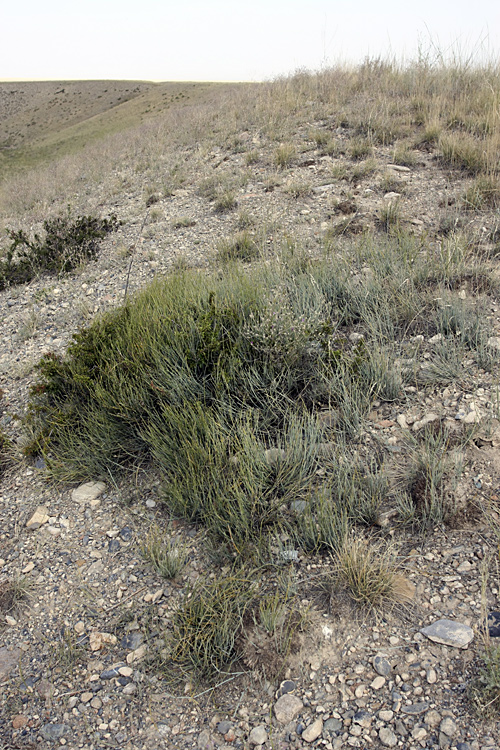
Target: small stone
point(19, 721)
point(87, 492)
point(449, 632)
point(378, 683)
point(427, 419)
point(448, 726)
point(204, 741)
point(11, 621)
point(387, 737)
point(381, 666)
point(332, 727)
point(287, 686)
point(53, 732)
point(114, 546)
point(258, 735)
point(132, 640)
point(363, 718)
point(493, 623)
point(28, 568)
point(39, 517)
point(313, 731)
point(432, 718)
point(8, 661)
point(96, 703)
point(415, 709)
point(287, 708)
point(130, 688)
point(109, 674)
point(125, 671)
point(223, 727)
point(150, 504)
point(385, 715)
point(419, 733)
point(398, 168)
point(137, 655)
point(79, 627)
point(86, 697)
point(431, 676)
point(126, 534)
point(98, 640)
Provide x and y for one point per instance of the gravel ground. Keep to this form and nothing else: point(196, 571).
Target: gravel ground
point(76, 657)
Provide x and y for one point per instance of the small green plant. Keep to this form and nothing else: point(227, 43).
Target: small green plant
point(363, 169)
point(431, 476)
point(167, 557)
point(404, 155)
point(183, 222)
point(389, 216)
point(67, 243)
point(360, 148)
point(297, 189)
point(463, 151)
point(207, 624)
point(5, 452)
point(284, 155)
point(483, 193)
point(252, 157)
point(242, 246)
point(225, 202)
point(390, 183)
point(484, 691)
point(12, 592)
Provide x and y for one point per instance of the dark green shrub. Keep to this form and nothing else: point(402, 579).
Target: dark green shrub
point(67, 243)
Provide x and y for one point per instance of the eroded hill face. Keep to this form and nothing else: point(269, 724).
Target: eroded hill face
point(42, 119)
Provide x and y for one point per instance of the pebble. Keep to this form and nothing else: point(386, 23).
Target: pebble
point(448, 727)
point(381, 666)
point(53, 732)
point(258, 735)
point(39, 517)
point(132, 640)
point(387, 737)
point(313, 731)
point(493, 623)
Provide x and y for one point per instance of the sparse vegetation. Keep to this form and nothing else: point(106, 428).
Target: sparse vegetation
point(67, 243)
point(268, 386)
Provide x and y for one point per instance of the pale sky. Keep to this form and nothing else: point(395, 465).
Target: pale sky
point(228, 40)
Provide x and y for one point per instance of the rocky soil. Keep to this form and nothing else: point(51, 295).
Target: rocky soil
point(77, 656)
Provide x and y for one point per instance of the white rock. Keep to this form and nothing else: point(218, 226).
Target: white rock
point(449, 632)
point(287, 707)
point(378, 683)
point(87, 492)
point(387, 737)
point(431, 676)
point(39, 517)
point(313, 731)
point(136, 655)
point(398, 168)
point(258, 735)
point(448, 726)
point(427, 419)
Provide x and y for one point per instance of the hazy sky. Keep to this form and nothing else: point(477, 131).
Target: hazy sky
point(230, 40)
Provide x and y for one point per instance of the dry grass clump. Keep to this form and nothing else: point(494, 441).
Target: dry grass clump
point(371, 573)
